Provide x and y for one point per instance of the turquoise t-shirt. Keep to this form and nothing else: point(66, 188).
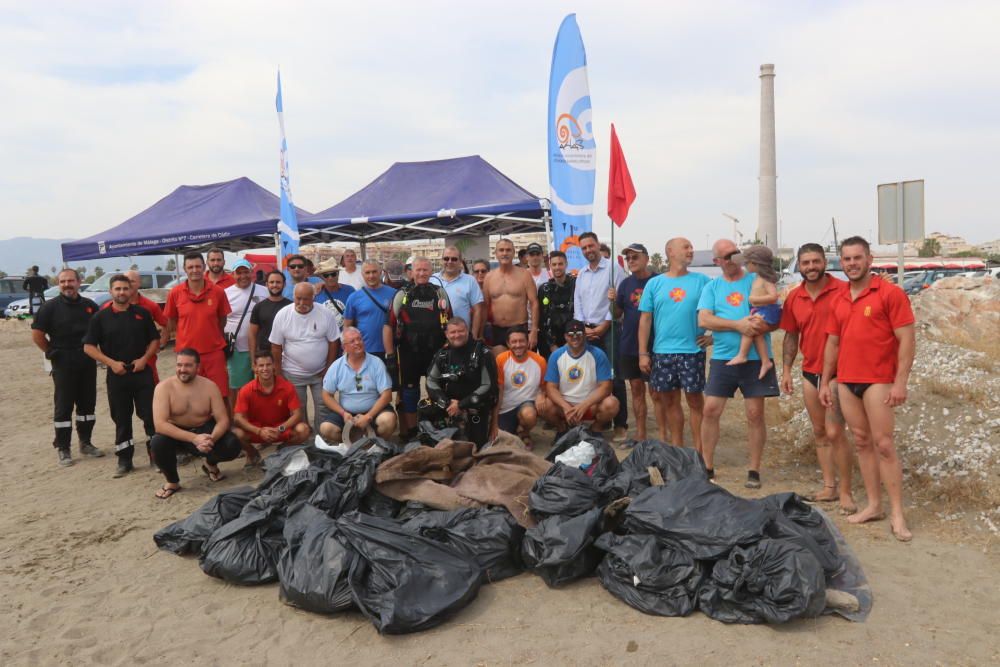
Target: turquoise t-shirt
point(674, 305)
point(730, 301)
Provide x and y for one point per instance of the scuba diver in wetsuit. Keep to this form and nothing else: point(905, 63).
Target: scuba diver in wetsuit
point(462, 381)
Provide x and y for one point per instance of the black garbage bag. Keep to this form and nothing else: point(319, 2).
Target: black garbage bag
point(561, 549)
point(412, 508)
point(343, 490)
point(312, 569)
point(563, 490)
point(245, 550)
point(489, 536)
point(606, 465)
point(648, 576)
point(674, 463)
point(772, 581)
point(429, 434)
point(402, 581)
point(188, 535)
point(796, 517)
point(697, 516)
point(379, 504)
point(286, 460)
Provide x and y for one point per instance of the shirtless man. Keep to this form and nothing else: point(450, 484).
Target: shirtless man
point(190, 415)
point(510, 296)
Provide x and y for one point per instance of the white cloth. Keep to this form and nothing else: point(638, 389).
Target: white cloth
point(541, 278)
point(355, 280)
point(590, 298)
point(238, 301)
point(304, 338)
point(579, 455)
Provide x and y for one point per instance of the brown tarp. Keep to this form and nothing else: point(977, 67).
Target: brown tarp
point(452, 475)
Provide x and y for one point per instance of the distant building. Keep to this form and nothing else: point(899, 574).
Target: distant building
point(989, 248)
point(949, 245)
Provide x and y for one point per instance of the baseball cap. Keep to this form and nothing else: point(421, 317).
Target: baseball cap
point(394, 269)
point(575, 326)
point(242, 264)
point(328, 266)
point(534, 247)
point(635, 247)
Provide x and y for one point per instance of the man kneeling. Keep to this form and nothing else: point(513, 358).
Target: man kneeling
point(520, 374)
point(363, 388)
point(190, 416)
point(267, 411)
point(578, 383)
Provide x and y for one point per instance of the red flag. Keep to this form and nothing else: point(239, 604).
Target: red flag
point(621, 192)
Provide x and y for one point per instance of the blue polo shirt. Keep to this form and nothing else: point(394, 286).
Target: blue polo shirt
point(289, 290)
point(344, 381)
point(463, 292)
point(674, 305)
point(368, 317)
point(730, 301)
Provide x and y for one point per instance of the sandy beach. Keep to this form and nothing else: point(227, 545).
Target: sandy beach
point(83, 583)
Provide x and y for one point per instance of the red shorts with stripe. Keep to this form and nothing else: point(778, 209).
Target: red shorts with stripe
point(213, 367)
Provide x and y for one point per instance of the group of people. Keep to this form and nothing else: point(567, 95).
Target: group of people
point(497, 348)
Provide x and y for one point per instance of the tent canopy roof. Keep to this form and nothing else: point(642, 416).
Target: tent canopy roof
point(233, 215)
point(419, 200)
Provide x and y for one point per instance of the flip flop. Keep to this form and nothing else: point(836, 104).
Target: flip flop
point(213, 476)
point(166, 492)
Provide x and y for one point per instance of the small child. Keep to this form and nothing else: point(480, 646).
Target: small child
point(763, 302)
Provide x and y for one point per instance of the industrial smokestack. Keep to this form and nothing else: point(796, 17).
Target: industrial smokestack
point(767, 211)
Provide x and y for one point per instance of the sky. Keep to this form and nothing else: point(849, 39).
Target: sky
point(109, 106)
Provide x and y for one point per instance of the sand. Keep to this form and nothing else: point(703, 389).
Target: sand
point(81, 581)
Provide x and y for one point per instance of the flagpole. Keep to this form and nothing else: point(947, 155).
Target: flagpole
point(611, 306)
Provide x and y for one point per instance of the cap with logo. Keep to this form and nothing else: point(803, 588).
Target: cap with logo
point(575, 326)
point(534, 247)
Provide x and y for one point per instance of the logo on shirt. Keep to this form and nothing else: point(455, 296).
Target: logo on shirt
point(574, 373)
point(138, 317)
point(735, 298)
point(868, 311)
point(518, 379)
point(280, 401)
point(636, 296)
point(677, 295)
point(210, 301)
point(89, 309)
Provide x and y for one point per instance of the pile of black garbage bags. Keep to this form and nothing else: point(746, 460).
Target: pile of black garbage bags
point(667, 546)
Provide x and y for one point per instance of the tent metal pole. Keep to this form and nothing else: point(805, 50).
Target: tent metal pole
point(548, 231)
point(278, 259)
point(364, 251)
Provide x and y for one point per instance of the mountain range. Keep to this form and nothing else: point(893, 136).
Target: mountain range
point(18, 253)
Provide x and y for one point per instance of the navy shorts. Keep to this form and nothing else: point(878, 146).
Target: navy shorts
point(671, 372)
point(507, 421)
point(338, 421)
point(628, 368)
point(723, 380)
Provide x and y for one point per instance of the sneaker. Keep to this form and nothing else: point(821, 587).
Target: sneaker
point(753, 479)
point(124, 468)
point(88, 449)
point(65, 458)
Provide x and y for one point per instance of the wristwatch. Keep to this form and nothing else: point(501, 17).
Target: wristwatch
point(281, 428)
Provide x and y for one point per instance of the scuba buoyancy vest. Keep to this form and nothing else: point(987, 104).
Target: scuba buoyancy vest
point(461, 373)
point(421, 317)
point(556, 303)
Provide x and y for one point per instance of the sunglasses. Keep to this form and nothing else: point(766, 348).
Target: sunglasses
point(480, 271)
point(296, 266)
point(574, 334)
point(330, 274)
point(450, 259)
point(729, 255)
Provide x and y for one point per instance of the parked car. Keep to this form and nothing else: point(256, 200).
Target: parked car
point(11, 289)
point(20, 308)
point(98, 290)
point(925, 279)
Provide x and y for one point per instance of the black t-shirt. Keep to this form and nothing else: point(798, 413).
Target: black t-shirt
point(123, 336)
point(263, 316)
point(35, 284)
point(65, 321)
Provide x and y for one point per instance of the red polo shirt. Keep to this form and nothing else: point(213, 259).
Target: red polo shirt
point(225, 281)
point(267, 410)
point(868, 346)
point(802, 315)
point(198, 316)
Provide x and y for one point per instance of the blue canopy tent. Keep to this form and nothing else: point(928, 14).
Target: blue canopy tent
point(436, 199)
point(234, 215)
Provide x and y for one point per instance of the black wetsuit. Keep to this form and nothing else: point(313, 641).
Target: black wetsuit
point(467, 374)
point(555, 303)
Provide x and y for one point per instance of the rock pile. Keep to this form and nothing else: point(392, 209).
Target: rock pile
point(960, 309)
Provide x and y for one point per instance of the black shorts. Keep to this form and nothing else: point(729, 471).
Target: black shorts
point(628, 368)
point(723, 380)
point(857, 388)
point(413, 365)
point(507, 421)
point(498, 334)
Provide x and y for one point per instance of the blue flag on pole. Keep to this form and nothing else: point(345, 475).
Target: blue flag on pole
point(572, 150)
point(288, 226)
